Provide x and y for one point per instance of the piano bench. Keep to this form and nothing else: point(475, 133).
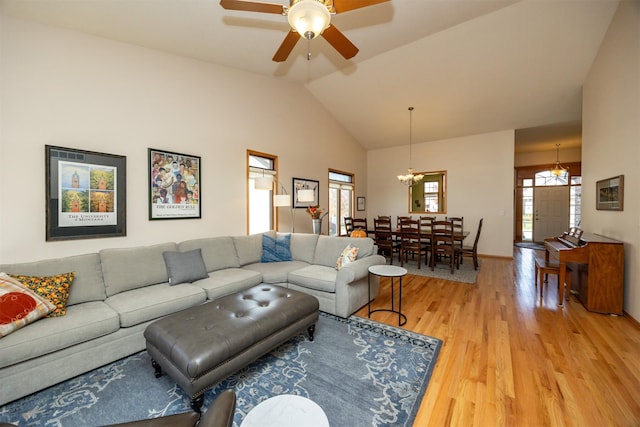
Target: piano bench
point(542, 271)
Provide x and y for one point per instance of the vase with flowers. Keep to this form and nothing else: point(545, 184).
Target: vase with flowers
point(316, 215)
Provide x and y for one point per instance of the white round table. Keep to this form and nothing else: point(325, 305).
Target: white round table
point(286, 410)
point(390, 271)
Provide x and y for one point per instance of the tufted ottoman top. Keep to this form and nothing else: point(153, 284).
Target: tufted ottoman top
point(200, 338)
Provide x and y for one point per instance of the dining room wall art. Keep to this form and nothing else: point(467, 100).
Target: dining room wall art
point(610, 194)
point(174, 185)
point(85, 194)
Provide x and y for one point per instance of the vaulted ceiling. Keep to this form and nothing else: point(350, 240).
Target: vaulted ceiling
point(467, 66)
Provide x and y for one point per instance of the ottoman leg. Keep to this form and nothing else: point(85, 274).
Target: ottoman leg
point(196, 403)
point(311, 330)
point(157, 367)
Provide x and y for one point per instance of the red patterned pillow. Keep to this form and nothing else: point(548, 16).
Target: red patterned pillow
point(19, 306)
point(54, 288)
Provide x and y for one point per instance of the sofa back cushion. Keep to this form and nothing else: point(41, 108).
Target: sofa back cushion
point(249, 248)
point(87, 285)
point(303, 246)
point(218, 252)
point(329, 249)
point(124, 269)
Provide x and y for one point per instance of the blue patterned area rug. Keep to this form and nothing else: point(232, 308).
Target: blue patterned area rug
point(360, 372)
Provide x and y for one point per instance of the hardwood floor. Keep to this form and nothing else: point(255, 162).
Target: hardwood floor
point(509, 359)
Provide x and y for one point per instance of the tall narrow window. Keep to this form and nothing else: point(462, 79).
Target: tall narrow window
point(575, 201)
point(260, 210)
point(341, 190)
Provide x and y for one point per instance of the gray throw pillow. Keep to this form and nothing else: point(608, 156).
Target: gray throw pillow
point(185, 267)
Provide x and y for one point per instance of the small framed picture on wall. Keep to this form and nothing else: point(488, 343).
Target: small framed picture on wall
point(361, 204)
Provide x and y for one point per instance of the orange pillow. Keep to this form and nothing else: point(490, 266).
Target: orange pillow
point(19, 306)
point(54, 288)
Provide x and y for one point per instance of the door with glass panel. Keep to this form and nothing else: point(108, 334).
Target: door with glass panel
point(341, 192)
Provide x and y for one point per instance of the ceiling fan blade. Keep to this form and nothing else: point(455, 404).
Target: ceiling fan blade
point(347, 5)
point(339, 42)
point(286, 47)
point(250, 6)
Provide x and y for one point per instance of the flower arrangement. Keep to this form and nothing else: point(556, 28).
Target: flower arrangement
point(314, 212)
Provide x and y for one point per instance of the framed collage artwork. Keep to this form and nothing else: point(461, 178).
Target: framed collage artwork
point(174, 185)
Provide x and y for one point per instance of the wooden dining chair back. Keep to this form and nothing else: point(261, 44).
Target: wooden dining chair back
point(443, 246)
point(400, 219)
point(425, 228)
point(458, 226)
point(383, 237)
point(360, 223)
point(411, 242)
point(348, 225)
point(472, 251)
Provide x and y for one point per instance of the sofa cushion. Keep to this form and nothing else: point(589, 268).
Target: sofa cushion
point(87, 284)
point(249, 248)
point(275, 250)
point(184, 267)
point(130, 268)
point(347, 256)
point(54, 288)
point(218, 252)
point(83, 322)
point(19, 305)
point(316, 277)
point(330, 248)
point(275, 272)
point(303, 246)
point(151, 302)
point(224, 282)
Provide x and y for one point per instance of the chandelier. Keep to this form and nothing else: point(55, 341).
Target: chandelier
point(410, 178)
point(558, 169)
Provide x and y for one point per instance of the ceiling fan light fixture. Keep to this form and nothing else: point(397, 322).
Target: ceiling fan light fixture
point(309, 18)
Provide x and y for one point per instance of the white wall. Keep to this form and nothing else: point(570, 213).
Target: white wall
point(567, 155)
point(611, 140)
point(480, 183)
point(69, 89)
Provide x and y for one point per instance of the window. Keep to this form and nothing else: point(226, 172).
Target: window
point(575, 201)
point(429, 194)
point(527, 209)
point(341, 192)
point(260, 202)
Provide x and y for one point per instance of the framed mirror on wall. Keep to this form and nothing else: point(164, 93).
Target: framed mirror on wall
point(429, 195)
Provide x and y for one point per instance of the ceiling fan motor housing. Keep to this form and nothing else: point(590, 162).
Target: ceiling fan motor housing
point(309, 17)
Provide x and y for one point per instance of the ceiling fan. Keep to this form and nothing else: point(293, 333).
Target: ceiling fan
point(308, 19)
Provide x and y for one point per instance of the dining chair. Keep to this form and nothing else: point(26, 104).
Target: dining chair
point(384, 237)
point(472, 251)
point(411, 242)
point(443, 245)
point(359, 223)
point(458, 225)
point(425, 228)
point(348, 225)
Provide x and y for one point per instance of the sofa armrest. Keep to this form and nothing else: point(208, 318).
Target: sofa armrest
point(358, 269)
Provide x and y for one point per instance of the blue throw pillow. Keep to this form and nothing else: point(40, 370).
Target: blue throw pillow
point(278, 249)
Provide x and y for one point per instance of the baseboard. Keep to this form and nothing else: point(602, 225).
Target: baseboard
point(631, 318)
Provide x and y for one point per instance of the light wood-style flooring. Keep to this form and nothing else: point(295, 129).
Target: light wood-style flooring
point(509, 359)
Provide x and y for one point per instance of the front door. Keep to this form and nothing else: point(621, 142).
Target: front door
point(551, 211)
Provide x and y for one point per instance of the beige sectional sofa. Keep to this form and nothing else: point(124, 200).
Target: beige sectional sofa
point(116, 293)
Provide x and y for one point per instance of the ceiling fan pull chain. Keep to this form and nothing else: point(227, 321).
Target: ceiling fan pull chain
point(308, 49)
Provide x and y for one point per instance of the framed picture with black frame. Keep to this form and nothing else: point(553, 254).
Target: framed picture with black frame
point(360, 205)
point(305, 184)
point(85, 194)
point(174, 185)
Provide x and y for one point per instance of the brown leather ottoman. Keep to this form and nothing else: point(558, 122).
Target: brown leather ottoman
point(200, 346)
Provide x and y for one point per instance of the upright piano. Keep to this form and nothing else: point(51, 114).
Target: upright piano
point(597, 269)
